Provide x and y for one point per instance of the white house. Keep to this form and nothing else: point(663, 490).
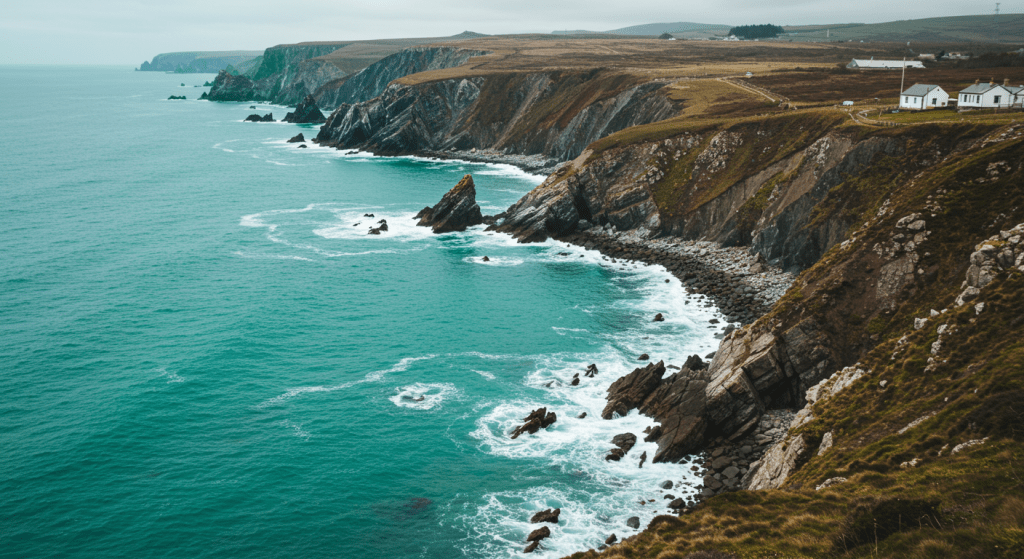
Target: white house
point(922, 96)
point(1018, 95)
point(872, 64)
point(987, 96)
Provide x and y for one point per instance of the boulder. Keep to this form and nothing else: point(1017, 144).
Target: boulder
point(633, 522)
point(297, 139)
point(643, 357)
point(591, 370)
point(539, 534)
point(456, 211)
point(306, 113)
point(537, 420)
point(269, 117)
point(302, 146)
point(659, 318)
point(643, 458)
point(532, 547)
point(548, 515)
point(625, 441)
point(631, 390)
point(611, 539)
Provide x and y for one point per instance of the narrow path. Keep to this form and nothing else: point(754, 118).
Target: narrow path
point(753, 89)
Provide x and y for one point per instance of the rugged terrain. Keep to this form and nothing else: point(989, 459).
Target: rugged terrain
point(196, 62)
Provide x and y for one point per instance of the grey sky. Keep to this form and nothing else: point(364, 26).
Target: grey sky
point(130, 31)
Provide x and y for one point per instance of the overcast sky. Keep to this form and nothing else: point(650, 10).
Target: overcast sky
point(130, 31)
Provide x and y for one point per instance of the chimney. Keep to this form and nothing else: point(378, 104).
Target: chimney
point(1006, 81)
point(991, 81)
point(976, 82)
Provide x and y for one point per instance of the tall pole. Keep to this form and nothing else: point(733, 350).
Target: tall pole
point(903, 77)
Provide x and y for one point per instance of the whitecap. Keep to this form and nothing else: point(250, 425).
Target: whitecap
point(495, 261)
point(420, 396)
point(374, 376)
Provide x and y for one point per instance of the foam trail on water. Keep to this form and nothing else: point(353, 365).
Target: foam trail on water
point(420, 396)
point(374, 376)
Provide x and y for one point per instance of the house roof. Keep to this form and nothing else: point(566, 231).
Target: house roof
point(865, 63)
point(1015, 89)
point(920, 89)
point(980, 88)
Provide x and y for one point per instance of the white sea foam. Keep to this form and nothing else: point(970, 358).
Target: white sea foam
point(495, 261)
point(272, 256)
point(296, 429)
point(374, 376)
point(171, 377)
point(352, 224)
point(487, 375)
point(420, 396)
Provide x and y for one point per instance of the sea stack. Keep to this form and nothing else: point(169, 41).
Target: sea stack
point(306, 113)
point(456, 211)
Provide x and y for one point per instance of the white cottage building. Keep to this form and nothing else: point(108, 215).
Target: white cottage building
point(872, 64)
point(922, 96)
point(988, 96)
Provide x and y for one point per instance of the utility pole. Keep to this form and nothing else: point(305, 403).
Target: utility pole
point(903, 77)
point(995, 23)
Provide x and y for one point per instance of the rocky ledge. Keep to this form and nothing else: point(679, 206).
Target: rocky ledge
point(456, 211)
point(306, 113)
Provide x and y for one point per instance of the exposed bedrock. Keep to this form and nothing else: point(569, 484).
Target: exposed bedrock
point(372, 80)
point(306, 113)
point(456, 211)
point(286, 74)
point(551, 114)
point(771, 208)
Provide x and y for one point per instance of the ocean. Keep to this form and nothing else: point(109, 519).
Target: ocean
point(204, 354)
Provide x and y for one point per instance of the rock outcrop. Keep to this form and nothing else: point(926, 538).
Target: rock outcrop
point(548, 515)
point(526, 114)
point(538, 419)
point(269, 117)
point(306, 113)
point(297, 139)
point(286, 74)
point(677, 402)
point(456, 211)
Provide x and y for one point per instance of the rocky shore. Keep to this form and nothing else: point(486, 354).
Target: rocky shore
point(742, 285)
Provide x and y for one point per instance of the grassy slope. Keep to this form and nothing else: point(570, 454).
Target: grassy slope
point(967, 505)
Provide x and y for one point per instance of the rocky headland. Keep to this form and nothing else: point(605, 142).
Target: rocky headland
point(306, 113)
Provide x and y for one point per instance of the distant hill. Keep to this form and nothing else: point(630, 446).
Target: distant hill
point(1005, 28)
point(209, 62)
point(679, 27)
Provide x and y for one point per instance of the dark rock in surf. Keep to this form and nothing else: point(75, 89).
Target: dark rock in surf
point(548, 515)
point(532, 547)
point(306, 113)
point(538, 419)
point(591, 370)
point(611, 539)
point(643, 458)
point(659, 318)
point(643, 357)
point(269, 117)
point(633, 522)
point(297, 139)
point(456, 211)
point(539, 534)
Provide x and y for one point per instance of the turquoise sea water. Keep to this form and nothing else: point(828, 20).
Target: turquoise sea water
point(203, 355)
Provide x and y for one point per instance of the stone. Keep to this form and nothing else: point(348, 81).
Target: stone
point(667, 484)
point(731, 472)
point(659, 318)
point(633, 522)
point(695, 363)
point(269, 117)
point(532, 547)
point(721, 463)
point(306, 113)
point(677, 504)
point(776, 465)
point(643, 357)
point(539, 534)
point(538, 419)
point(486, 259)
point(582, 416)
point(301, 146)
point(611, 539)
point(548, 515)
point(631, 390)
point(826, 443)
point(625, 441)
point(575, 381)
point(643, 458)
point(297, 139)
point(456, 211)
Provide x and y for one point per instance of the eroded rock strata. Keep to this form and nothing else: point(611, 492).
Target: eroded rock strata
point(456, 211)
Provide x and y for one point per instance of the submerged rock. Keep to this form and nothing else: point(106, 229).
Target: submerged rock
point(456, 211)
point(306, 113)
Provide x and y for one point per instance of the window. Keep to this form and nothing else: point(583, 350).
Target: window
point(996, 99)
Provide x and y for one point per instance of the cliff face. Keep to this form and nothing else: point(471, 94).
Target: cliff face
point(286, 75)
point(554, 114)
point(197, 61)
point(372, 80)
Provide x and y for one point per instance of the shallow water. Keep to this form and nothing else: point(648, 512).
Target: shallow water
point(205, 355)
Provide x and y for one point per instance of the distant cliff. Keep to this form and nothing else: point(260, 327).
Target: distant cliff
point(372, 80)
point(286, 74)
point(205, 62)
point(552, 114)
